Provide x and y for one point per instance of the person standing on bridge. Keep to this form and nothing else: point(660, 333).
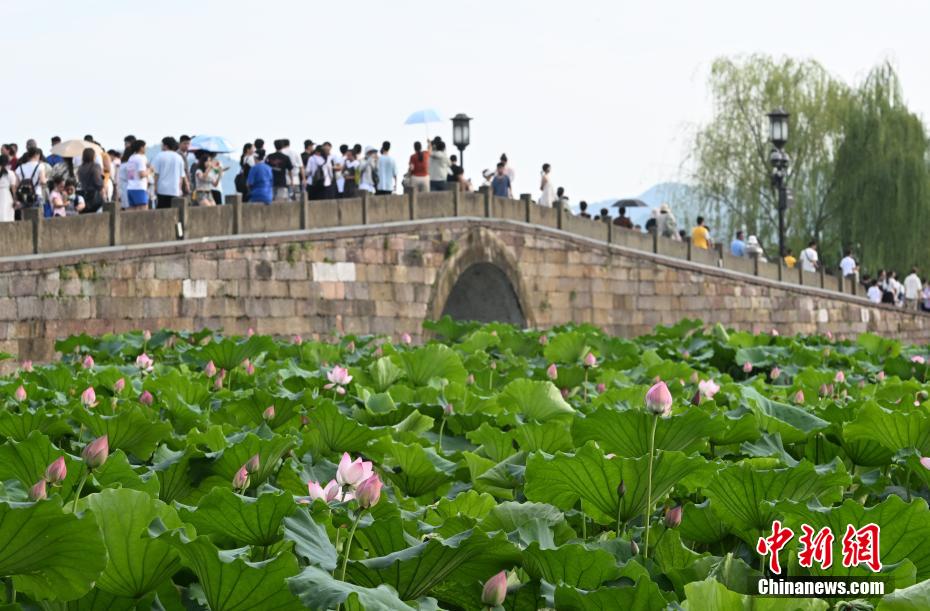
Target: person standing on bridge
point(500, 184)
point(912, 286)
point(281, 166)
point(320, 176)
point(387, 171)
point(700, 236)
point(170, 175)
point(260, 181)
point(547, 190)
point(738, 246)
point(419, 169)
point(438, 166)
point(137, 177)
point(809, 258)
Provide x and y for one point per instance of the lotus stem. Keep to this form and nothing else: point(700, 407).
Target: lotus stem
point(652, 446)
point(345, 557)
point(77, 495)
point(441, 427)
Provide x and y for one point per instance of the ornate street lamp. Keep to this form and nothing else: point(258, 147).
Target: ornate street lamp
point(778, 133)
point(461, 134)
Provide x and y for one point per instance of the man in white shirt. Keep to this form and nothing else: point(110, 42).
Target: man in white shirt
point(874, 293)
point(848, 266)
point(170, 175)
point(809, 258)
point(320, 176)
point(912, 287)
point(296, 179)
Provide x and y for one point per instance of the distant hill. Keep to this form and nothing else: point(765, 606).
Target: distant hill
point(679, 196)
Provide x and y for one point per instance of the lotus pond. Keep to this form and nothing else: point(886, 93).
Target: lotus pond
point(492, 467)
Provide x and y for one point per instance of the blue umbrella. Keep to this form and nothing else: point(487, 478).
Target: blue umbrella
point(213, 144)
point(427, 115)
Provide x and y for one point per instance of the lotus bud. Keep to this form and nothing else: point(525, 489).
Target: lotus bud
point(304, 420)
point(774, 332)
point(659, 400)
point(495, 590)
point(552, 372)
point(209, 369)
point(494, 333)
point(840, 377)
point(37, 492)
point(379, 352)
point(95, 453)
point(406, 339)
point(350, 347)
point(601, 388)
point(330, 492)
point(88, 362)
point(694, 379)
point(89, 397)
point(696, 399)
point(799, 397)
point(829, 389)
point(673, 517)
point(825, 352)
point(823, 390)
point(241, 479)
point(218, 381)
point(564, 393)
point(146, 335)
point(20, 394)
point(119, 385)
point(621, 490)
point(268, 414)
point(880, 376)
point(747, 367)
point(253, 464)
point(922, 395)
point(250, 332)
point(775, 373)
point(830, 335)
point(492, 365)
point(470, 379)
point(27, 366)
point(298, 340)
point(448, 410)
point(634, 549)
point(368, 492)
point(925, 462)
point(57, 471)
point(146, 398)
point(590, 360)
point(543, 340)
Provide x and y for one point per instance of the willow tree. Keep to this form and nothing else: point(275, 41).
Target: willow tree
point(730, 155)
point(882, 194)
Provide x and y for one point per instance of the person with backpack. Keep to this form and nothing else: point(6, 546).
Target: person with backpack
point(368, 171)
point(7, 191)
point(246, 161)
point(32, 190)
point(91, 180)
point(320, 176)
point(667, 224)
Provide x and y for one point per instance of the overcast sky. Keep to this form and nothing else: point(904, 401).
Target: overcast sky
point(607, 92)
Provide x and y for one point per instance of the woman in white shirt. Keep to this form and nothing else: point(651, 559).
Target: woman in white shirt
point(548, 191)
point(137, 177)
point(7, 191)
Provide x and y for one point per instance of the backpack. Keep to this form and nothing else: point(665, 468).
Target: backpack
point(318, 177)
point(26, 190)
point(242, 178)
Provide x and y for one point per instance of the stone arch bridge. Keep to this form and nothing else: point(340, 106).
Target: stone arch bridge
point(385, 264)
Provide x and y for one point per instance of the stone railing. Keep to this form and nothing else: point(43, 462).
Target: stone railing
point(39, 236)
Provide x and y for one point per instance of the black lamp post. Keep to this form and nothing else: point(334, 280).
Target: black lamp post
point(778, 132)
point(461, 134)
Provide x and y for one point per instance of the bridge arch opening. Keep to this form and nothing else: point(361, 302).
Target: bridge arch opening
point(484, 293)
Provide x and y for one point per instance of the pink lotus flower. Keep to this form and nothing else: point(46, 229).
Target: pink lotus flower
point(708, 388)
point(840, 377)
point(38, 492)
point(543, 340)
point(144, 362)
point(268, 414)
point(799, 397)
point(495, 590)
point(209, 369)
point(925, 462)
point(119, 385)
point(448, 410)
point(774, 332)
point(57, 471)
point(218, 381)
point(601, 387)
point(673, 517)
point(552, 372)
point(880, 376)
point(918, 359)
point(590, 360)
point(775, 373)
point(338, 377)
point(250, 332)
point(352, 473)
point(659, 400)
point(368, 492)
point(27, 366)
point(146, 398)
point(89, 397)
point(241, 479)
point(747, 367)
point(88, 362)
point(830, 335)
point(252, 465)
point(405, 338)
point(331, 492)
point(95, 453)
point(20, 394)
point(298, 340)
